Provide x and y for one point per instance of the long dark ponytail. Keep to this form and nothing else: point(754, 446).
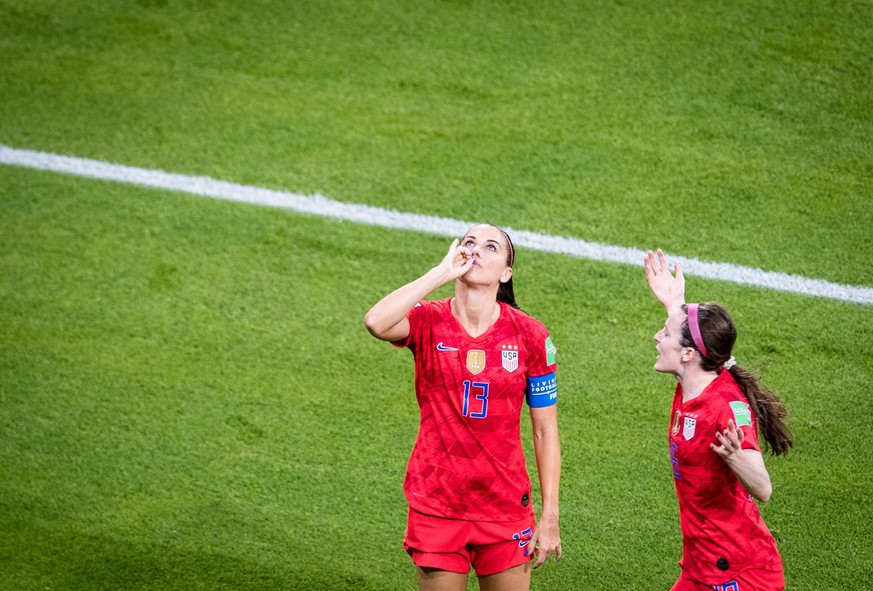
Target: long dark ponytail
point(718, 332)
point(505, 292)
point(506, 295)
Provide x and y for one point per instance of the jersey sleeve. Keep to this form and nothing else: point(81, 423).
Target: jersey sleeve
point(743, 417)
point(542, 384)
point(415, 318)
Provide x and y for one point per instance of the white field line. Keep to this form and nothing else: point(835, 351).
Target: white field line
point(364, 214)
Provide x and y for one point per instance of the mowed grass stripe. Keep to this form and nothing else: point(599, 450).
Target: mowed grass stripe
point(365, 214)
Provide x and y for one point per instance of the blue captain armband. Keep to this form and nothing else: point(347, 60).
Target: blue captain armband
point(542, 391)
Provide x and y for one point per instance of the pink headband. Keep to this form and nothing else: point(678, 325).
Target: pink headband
point(509, 243)
point(694, 327)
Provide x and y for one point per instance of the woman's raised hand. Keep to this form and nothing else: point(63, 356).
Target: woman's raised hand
point(669, 290)
point(457, 261)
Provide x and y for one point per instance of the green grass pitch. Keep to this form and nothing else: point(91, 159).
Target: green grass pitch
point(188, 398)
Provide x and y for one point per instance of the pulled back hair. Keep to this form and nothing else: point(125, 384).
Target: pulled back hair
point(506, 295)
point(719, 333)
point(505, 292)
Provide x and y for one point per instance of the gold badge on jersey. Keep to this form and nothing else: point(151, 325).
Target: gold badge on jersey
point(475, 361)
point(676, 422)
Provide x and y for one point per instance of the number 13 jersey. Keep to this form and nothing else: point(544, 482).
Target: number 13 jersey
point(468, 462)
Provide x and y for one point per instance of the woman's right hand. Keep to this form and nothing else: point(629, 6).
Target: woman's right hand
point(457, 261)
point(669, 290)
point(387, 319)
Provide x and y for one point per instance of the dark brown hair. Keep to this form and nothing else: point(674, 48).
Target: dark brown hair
point(505, 293)
point(719, 334)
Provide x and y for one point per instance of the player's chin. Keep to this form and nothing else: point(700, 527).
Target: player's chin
point(477, 275)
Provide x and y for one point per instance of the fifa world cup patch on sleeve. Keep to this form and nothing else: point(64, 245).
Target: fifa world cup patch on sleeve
point(551, 352)
point(742, 414)
point(542, 391)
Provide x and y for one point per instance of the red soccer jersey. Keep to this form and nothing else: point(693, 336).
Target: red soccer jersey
point(723, 533)
point(468, 462)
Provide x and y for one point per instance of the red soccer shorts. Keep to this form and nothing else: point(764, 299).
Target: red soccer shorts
point(454, 545)
point(749, 580)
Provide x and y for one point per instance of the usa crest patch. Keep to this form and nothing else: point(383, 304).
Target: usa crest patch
point(509, 358)
point(688, 427)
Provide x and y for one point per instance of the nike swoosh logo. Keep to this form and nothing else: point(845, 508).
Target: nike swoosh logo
point(441, 347)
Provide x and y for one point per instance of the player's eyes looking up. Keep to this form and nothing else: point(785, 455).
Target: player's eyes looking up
point(469, 243)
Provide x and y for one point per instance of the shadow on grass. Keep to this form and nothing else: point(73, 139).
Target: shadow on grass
point(34, 558)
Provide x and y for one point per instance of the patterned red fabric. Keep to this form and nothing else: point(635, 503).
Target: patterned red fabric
point(468, 462)
point(723, 533)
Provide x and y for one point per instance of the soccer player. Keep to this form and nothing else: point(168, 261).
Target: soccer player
point(478, 358)
point(718, 469)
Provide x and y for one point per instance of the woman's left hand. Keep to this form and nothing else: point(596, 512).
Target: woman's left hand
point(546, 541)
point(746, 464)
point(731, 441)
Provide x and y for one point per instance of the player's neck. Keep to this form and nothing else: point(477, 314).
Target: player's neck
point(475, 309)
point(694, 381)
